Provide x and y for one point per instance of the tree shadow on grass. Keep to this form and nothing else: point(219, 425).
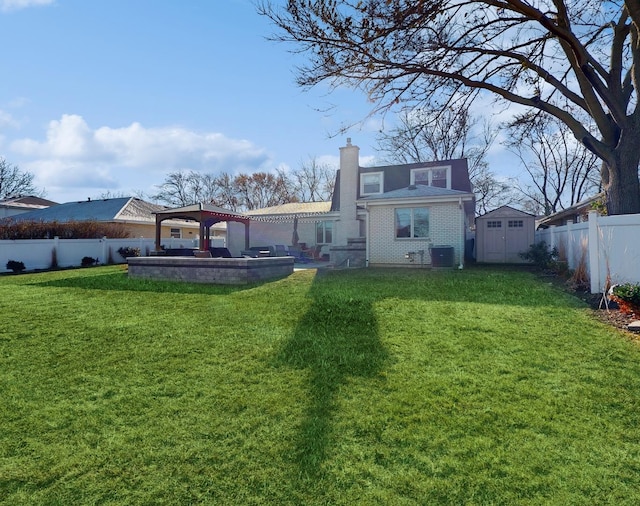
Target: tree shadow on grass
point(336, 339)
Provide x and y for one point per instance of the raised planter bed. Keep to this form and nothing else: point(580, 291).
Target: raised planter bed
point(223, 271)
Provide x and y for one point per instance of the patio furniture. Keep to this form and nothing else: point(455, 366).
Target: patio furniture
point(315, 252)
point(220, 253)
point(259, 251)
point(298, 255)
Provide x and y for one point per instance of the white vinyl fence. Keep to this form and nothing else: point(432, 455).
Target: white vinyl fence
point(609, 247)
point(39, 253)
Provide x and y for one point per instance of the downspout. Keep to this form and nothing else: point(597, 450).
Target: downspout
point(462, 233)
point(368, 235)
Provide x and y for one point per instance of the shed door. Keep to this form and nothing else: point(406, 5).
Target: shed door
point(516, 239)
point(494, 241)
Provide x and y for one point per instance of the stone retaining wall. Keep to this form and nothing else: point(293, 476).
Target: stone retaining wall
point(222, 271)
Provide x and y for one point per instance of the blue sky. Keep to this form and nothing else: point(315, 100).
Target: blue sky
point(111, 95)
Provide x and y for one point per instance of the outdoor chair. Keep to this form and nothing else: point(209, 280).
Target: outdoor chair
point(298, 255)
point(315, 252)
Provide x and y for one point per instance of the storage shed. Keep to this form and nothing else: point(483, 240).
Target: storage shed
point(504, 233)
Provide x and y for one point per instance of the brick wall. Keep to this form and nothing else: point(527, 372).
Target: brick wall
point(444, 229)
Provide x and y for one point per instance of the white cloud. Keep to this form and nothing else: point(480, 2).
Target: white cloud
point(6, 119)
point(14, 5)
point(128, 158)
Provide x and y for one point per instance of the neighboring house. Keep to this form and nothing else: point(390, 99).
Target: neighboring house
point(135, 214)
point(577, 213)
point(388, 215)
point(311, 222)
point(20, 205)
point(504, 233)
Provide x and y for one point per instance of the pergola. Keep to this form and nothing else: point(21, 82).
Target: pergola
point(205, 214)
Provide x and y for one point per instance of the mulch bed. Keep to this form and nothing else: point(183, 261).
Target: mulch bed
point(606, 311)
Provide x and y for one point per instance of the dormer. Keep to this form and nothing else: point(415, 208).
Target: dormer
point(439, 176)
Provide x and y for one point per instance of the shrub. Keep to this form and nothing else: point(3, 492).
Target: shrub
point(88, 261)
point(628, 292)
point(129, 252)
point(540, 255)
point(15, 266)
point(90, 229)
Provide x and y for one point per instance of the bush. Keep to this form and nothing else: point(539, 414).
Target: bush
point(88, 261)
point(129, 252)
point(15, 266)
point(540, 255)
point(90, 229)
point(627, 292)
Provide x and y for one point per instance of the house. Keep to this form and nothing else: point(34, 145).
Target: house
point(311, 222)
point(20, 204)
point(576, 213)
point(387, 215)
point(135, 214)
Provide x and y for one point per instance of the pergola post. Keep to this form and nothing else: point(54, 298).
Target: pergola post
point(158, 246)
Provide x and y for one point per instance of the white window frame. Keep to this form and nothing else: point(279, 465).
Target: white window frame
point(380, 182)
point(430, 171)
point(174, 230)
point(412, 218)
point(323, 226)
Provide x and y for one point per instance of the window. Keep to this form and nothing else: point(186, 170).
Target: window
point(494, 224)
point(175, 233)
point(439, 177)
point(371, 183)
point(412, 222)
point(324, 232)
point(516, 224)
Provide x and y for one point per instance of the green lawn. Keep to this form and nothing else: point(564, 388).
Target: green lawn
point(374, 387)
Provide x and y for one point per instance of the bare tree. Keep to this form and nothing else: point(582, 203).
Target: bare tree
point(542, 54)
point(176, 190)
point(243, 191)
point(262, 189)
point(225, 195)
point(561, 171)
point(426, 135)
point(15, 182)
point(313, 181)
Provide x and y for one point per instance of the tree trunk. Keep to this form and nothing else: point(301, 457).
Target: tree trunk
point(623, 186)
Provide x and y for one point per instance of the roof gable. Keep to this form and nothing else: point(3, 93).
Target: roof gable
point(506, 212)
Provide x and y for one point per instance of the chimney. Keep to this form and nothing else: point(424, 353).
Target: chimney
point(349, 226)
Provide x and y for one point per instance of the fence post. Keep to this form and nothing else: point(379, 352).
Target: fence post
point(594, 253)
point(105, 250)
point(570, 260)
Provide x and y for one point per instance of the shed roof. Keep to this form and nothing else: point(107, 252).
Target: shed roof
point(506, 212)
